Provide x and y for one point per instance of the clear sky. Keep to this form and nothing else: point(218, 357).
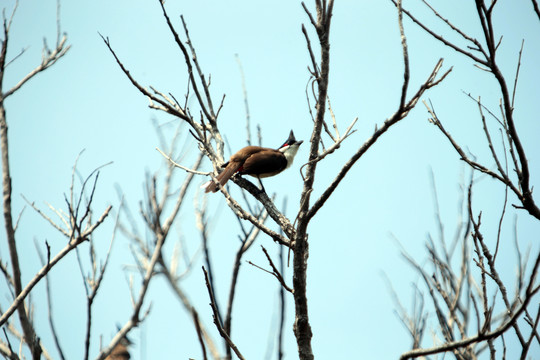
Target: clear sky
point(85, 102)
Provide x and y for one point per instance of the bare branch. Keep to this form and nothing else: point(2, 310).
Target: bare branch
point(480, 336)
point(275, 272)
point(536, 9)
point(49, 301)
point(336, 145)
point(49, 220)
point(45, 269)
point(245, 245)
point(493, 273)
point(243, 214)
point(534, 333)
point(522, 189)
point(399, 115)
point(136, 316)
point(211, 116)
point(47, 62)
point(406, 74)
point(200, 214)
point(315, 71)
point(245, 95)
point(517, 73)
point(182, 167)
point(216, 318)
point(166, 106)
point(444, 41)
point(302, 327)
point(188, 305)
point(199, 332)
point(436, 121)
point(27, 326)
point(94, 282)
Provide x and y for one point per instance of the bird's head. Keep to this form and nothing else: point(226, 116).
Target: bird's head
point(290, 148)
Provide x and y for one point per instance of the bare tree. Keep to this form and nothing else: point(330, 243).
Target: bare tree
point(205, 131)
point(76, 223)
point(76, 235)
point(463, 286)
point(179, 265)
point(464, 282)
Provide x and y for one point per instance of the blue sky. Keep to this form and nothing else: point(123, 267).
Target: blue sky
point(86, 102)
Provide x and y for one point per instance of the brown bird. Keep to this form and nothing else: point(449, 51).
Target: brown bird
point(258, 162)
point(120, 351)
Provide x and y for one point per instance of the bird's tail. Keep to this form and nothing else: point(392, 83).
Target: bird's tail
point(230, 170)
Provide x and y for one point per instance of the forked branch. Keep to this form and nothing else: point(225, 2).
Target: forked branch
point(486, 60)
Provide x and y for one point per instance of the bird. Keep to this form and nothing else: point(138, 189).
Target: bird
point(120, 351)
point(257, 161)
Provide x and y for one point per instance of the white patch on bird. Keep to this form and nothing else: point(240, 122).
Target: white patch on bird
point(290, 152)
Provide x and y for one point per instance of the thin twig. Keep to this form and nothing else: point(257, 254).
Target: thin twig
point(388, 123)
point(275, 272)
point(49, 304)
point(136, 316)
point(443, 40)
point(246, 243)
point(199, 332)
point(531, 291)
point(174, 163)
point(517, 72)
point(45, 269)
point(216, 318)
point(245, 95)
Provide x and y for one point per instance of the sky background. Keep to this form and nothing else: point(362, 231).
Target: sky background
point(86, 102)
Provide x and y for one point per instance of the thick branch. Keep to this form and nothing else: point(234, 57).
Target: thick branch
point(536, 9)
point(60, 50)
point(399, 115)
point(302, 327)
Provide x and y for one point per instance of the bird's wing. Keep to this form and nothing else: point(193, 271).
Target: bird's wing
point(264, 163)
